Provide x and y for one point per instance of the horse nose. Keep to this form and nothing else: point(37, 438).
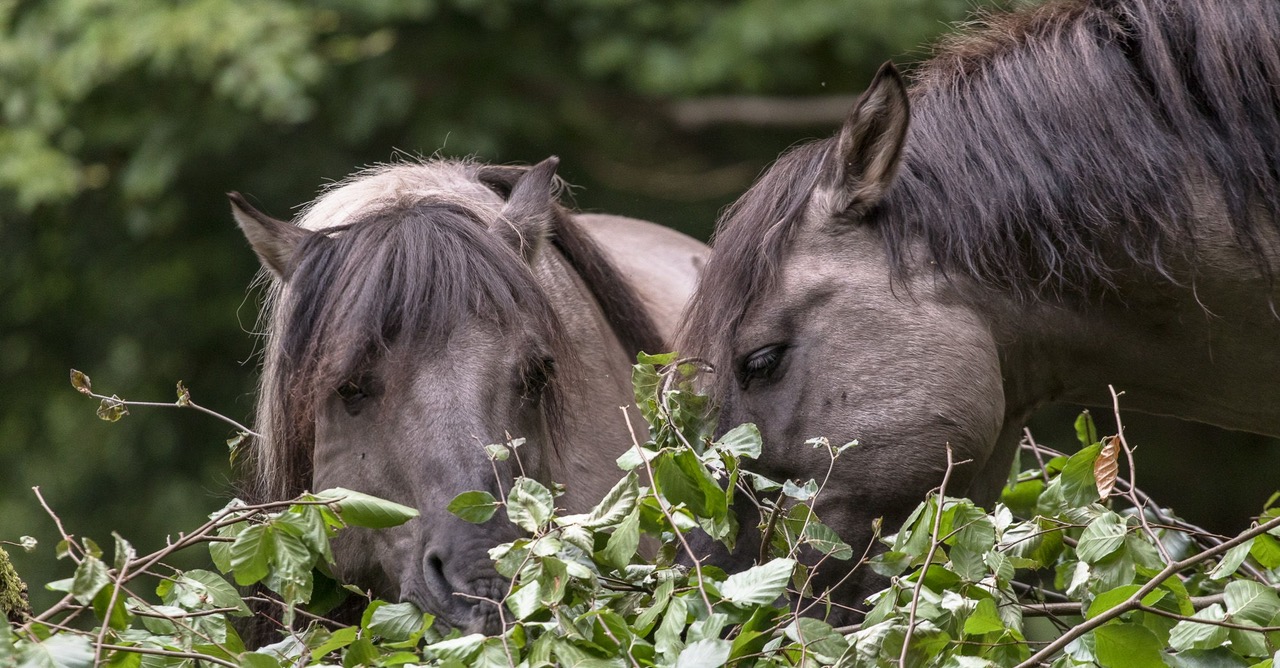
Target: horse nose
point(467, 603)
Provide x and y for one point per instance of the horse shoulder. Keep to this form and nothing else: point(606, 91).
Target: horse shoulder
point(661, 264)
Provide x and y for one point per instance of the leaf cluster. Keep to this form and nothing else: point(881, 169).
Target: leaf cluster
point(1074, 567)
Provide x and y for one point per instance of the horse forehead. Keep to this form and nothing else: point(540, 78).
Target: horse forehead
point(402, 185)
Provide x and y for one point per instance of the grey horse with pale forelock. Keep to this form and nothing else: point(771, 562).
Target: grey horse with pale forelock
point(1073, 196)
point(419, 311)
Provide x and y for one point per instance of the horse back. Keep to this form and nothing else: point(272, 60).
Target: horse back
point(660, 264)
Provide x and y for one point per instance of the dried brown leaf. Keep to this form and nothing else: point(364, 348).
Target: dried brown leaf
point(1106, 466)
point(81, 382)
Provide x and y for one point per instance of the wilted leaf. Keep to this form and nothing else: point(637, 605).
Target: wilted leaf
point(474, 507)
point(235, 445)
point(112, 409)
point(497, 452)
point(1106, 467)
point(28, 543)
point(184, 395)
point(81, 382)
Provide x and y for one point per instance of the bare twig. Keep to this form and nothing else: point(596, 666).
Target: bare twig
point(666, 512)
point(1135, 599)
point(928, 559)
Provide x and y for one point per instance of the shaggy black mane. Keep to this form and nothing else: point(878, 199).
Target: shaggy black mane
point(1048, 150)
point(418, 271)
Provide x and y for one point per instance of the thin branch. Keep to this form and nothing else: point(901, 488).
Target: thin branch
point(165, 652)
point(71, 544)
point(1211, 622)
point(666, 512)
point(1133, 485)
point(1135, 599)
point(928, 559)
point(182, 403)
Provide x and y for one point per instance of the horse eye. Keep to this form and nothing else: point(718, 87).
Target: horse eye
point(538, 375)
point(353, 396)
point(762, 363)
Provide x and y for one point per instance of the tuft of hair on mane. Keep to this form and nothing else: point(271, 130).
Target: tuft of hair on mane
point(1050, 149)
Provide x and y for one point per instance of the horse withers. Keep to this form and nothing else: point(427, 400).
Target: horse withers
point(1074, 196)
point(422, 310)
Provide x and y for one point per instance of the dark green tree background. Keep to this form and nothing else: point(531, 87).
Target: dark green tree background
point(122, 125)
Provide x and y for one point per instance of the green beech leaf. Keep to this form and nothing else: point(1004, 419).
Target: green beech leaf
point(1101, 538)
point(984, 619)
point(1266, 549)
point(743, 440)
point(529, 504)
point(681, 478)
point(1086, 431)
point(705, 653)
point(220, 592)
point(251, 555)
point(826, 541)
point(613, 508)
point(396, 621)
point(1252, 601)
point(759, 585)
point(1192, 635)
point(91, 576)
point(456, 649)
point(61, 651)
point(362, 510)
point(624, 541)
point(1079, 487)
point(1128, 646)
point(1231, 561)
point(475, 507)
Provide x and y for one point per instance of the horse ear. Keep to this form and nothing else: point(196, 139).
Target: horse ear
point(869, 146)
point(526, 219)
point(273, 240)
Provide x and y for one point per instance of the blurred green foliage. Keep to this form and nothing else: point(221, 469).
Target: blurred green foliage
point(122, 125)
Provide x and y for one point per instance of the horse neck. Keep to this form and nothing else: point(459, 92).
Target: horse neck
point(596, 384)
point(1201, 348)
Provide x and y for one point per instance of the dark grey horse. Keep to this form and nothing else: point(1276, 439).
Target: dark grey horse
point(1077, 195)
point(420, 311)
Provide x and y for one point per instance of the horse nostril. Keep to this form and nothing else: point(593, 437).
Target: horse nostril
point(434, 572)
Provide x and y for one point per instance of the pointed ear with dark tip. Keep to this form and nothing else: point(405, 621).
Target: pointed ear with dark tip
point(501, 178)
point(868, 149)
point(273, 240)
point(526, 219)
